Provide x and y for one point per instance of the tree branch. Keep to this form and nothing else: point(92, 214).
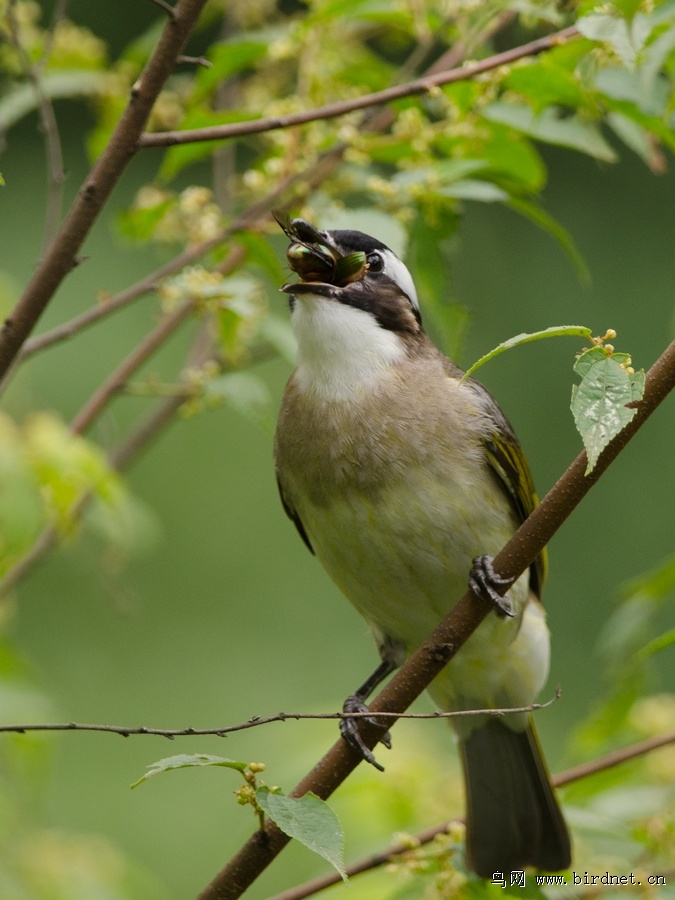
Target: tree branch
point(62, 254)
point(257, 721)
point(422, 85)
point(423, 666)
point(375, 860)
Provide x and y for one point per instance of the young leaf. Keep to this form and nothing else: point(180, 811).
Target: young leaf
point(186, 761)
point(309, 820)
point(599, 402)
point(554, 331)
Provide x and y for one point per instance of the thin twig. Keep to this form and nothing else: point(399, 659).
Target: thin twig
point(375, 860)
point(118, 378)
point(165, 7)
point(82, 420)
point(55, 171)
point(257, 721)
point(196, 61)
point(140, 437)
point(255, 217)
point(422, 85)
point(106, 172)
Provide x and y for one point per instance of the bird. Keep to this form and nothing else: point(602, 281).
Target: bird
point(405, 478)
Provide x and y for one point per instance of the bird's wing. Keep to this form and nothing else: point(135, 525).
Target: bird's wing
point(293, 516)
point(507, 460)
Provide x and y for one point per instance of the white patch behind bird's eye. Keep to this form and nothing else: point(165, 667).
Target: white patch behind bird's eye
point(342, 350)
point(399, 274)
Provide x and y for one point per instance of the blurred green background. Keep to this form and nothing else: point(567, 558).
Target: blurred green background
point(226, 615)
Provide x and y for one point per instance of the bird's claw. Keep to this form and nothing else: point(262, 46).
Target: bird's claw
point(484, 582)
point(349, 729)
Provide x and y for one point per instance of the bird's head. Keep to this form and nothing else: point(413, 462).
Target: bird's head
point(354, 270)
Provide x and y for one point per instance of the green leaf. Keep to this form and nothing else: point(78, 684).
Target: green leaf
point(635, 138)
point(554, 331)
point(473, 189)
point(654, 59)
point(182, 155)
point(514, 159)
point(21, 99)
point(552, 128)
point(138, 223)
point(446, 172)
point(614, 31)
point(656, 584)
point(546, 85)
point(227, 59)
point(187, 761)
point(430, 246)
point(599, 402)
point(309, 820)
point(261, 253)
point(662, 642)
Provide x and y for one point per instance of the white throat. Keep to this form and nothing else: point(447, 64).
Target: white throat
point(342, 351)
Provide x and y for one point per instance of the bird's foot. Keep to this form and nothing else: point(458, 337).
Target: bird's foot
point(485, 582)
point(349, 729)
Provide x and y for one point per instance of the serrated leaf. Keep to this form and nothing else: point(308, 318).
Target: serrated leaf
point(187, 761)
point(307, 819)
point(599, 402)
point(525, 338)
point(551, 128)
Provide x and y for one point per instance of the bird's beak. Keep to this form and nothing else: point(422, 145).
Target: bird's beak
point(312, 255)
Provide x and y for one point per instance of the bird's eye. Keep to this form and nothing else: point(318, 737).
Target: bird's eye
point(375, 263)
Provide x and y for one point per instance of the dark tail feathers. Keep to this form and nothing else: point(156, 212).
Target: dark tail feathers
point(513, 819)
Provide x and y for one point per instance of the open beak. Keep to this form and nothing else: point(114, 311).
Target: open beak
point(313, 257)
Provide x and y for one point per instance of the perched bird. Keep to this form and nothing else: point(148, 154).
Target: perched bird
point(404, 480)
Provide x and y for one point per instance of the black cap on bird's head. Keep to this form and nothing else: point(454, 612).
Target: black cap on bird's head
point(352, 268)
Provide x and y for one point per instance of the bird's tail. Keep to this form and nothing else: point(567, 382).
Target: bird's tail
point(513, 819)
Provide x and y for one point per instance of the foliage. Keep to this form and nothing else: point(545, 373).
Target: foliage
point(307, 819)
point(413, 165)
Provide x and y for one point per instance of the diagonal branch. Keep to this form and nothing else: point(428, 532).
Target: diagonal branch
point(423, 666)
point(61, 256)
point(381, 858)
point(422, 85)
